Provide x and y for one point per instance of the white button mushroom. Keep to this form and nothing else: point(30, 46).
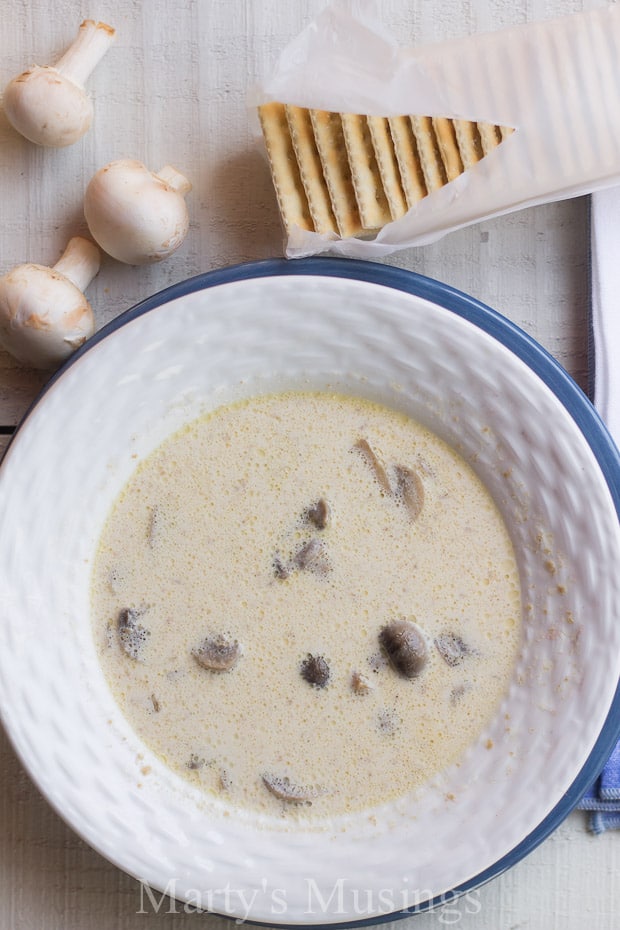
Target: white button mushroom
point(44, 316)
point(48, 105)
point(135, 215)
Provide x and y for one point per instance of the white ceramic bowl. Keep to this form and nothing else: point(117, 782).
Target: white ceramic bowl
point(394, 337)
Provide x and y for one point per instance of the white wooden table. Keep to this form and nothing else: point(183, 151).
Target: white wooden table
point(173, 90)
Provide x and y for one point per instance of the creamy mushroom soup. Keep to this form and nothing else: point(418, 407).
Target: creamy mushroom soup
point(306, 599)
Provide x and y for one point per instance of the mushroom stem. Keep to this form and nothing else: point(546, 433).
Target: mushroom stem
point(174, 179)
point(82, 57)
point(79, 262)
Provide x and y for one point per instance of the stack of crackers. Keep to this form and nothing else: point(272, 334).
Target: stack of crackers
point(345, 174)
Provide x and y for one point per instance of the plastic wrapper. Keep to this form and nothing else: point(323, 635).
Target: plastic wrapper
point(556, 82)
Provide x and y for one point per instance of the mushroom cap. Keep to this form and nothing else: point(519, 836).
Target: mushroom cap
point(134, 215)
point(47, 107)
point(44, 317)
point(405, 646)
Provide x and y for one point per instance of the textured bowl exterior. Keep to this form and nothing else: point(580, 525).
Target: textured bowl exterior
point(552, 471)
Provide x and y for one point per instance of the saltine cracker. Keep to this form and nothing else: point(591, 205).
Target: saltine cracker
point(448, 148)
point(428, 150)
point(311, 170)
point(329, 138)
point(292, 200)
point(385, 154)
point(409, 166)
point(372, 203)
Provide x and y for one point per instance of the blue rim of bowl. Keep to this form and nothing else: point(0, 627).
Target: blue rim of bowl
point(539, 361)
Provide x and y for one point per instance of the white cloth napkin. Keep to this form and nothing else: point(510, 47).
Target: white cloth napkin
point(605, 243)
point(603, 797)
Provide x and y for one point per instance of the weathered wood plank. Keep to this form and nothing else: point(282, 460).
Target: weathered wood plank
point(173, 90)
